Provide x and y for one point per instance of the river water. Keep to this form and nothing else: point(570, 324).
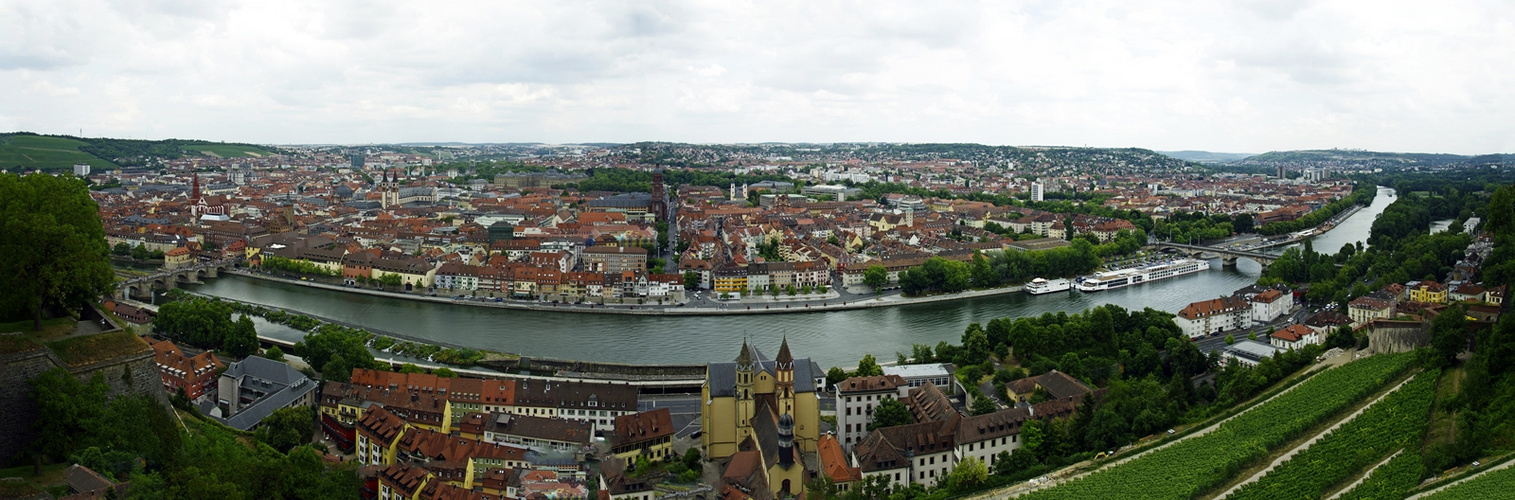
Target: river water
point(837, 338)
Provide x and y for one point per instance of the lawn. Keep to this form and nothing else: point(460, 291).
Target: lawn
point(29, 339)
point(47, 153)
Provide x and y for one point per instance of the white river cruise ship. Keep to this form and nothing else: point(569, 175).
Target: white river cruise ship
point(1115, 279)
point(1042, 285)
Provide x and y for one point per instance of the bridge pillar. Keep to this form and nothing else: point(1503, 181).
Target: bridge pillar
point(1228, 260)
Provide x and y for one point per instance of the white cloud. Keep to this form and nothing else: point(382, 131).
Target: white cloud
point(1244, 75)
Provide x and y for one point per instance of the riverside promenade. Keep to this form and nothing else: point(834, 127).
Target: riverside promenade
point(832, 301)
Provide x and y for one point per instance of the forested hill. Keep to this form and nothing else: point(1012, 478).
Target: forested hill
point(1049, 158)
point(1354, 158)
point(28, 151)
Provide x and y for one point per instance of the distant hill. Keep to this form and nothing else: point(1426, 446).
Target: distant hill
point(28, 151)
point(1354, 157)
point(1206, 156)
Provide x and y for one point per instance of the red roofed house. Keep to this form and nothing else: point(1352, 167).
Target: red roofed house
point(648, 434)
point(197, 374)
point(1214, 316)
point(1294, 337)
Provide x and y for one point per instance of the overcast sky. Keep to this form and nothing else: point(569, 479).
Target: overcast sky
point(1235, 76)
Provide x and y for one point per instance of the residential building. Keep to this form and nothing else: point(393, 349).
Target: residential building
point(196, 375)
point(1271, 304)
point(1368, 308)
point(1294, 337)
point(646, 434)
point(1213, 316)
point(615, 259)
point(835, 466)
point(855, 399)
point(177, 258)
point(252, 389)
point(1054, 384)
point(1429, 292)
point(536, 433)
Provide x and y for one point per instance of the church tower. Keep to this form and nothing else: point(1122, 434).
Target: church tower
point(783, 390)
point(194, 196)
point(745, 366)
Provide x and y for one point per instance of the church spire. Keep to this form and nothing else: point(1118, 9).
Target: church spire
point(785, 360)
point(744, 360)
point(194, 194)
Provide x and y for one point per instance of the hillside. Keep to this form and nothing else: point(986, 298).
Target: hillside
point(27, 151)
point(1352, 158)
point(1206, 156)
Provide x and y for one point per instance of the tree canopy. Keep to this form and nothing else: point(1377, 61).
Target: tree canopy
point(53, 255)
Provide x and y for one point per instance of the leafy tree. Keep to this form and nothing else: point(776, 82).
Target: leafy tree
point(967, 475)
point(1341, 337)
point(73, 410)
point(1033, 435)
point(868, 367)
point(337, 351)
point(1449, 333)
point(53, 255)
point(835, 376)
point(1230, 339)
point(242, 340)
point(889, 413)
point(411, 368)
point(198, 322)
point(876, 276)
point(140, 252)
point(691, 280)
point(121, 249)
point(287, 428)
point(274, 353)
point(983, 406)
point(444, 372)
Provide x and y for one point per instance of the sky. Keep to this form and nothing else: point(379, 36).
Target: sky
point(1220, 75)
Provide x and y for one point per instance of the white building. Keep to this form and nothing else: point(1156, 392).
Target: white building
point(855, 399)
point(1295, 337)
point(1214, 316)
point(918, 375)
point(81, 169)
point(1037, 191)
point(1248, 352)
point(1271, 304)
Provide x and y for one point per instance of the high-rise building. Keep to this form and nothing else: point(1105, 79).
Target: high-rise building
point(356, 159)
point(81, 169)
point(1037, 191)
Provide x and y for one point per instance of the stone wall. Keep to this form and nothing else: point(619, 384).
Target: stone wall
point(133, 373)
point(1386, 336)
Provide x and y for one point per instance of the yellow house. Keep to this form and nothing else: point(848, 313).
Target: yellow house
point(646, 434)
point(1429, 292)
point(737, 395)
point(378, 437)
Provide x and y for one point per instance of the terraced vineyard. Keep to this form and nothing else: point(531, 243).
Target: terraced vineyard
point(1190, 467)
point(1491, 485)
point(1393, 422)
point(1392, 480)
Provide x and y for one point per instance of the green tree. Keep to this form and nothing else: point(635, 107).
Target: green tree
point(444, 372)
point(691, 280)
point(287, 428)
point(274, 353)
point(835, 376)
point(1449, 333)
point(53, 254)
point(242, 339)
point(411, 368)
point(140, 252)
point(983, 406)
point(121, 249)
point(73, 409)
point(868, 367)
point(889, 413)
point(876, 276)
point(967, 475)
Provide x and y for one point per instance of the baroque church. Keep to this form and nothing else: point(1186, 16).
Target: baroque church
point(761, 419)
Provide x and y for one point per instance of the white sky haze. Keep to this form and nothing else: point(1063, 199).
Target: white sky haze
point(1238, 76)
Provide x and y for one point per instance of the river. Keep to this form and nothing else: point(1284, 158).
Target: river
point(837, 338)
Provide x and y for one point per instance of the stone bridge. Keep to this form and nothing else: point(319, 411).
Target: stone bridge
point(170, 279)
point(1227, 256)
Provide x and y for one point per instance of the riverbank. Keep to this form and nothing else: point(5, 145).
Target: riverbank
point(716, 308)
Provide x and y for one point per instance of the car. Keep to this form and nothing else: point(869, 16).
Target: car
point(1170, 432)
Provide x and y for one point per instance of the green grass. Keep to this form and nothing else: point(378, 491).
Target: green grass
point(93, 348)
point(229, 150)
point(47, 153)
